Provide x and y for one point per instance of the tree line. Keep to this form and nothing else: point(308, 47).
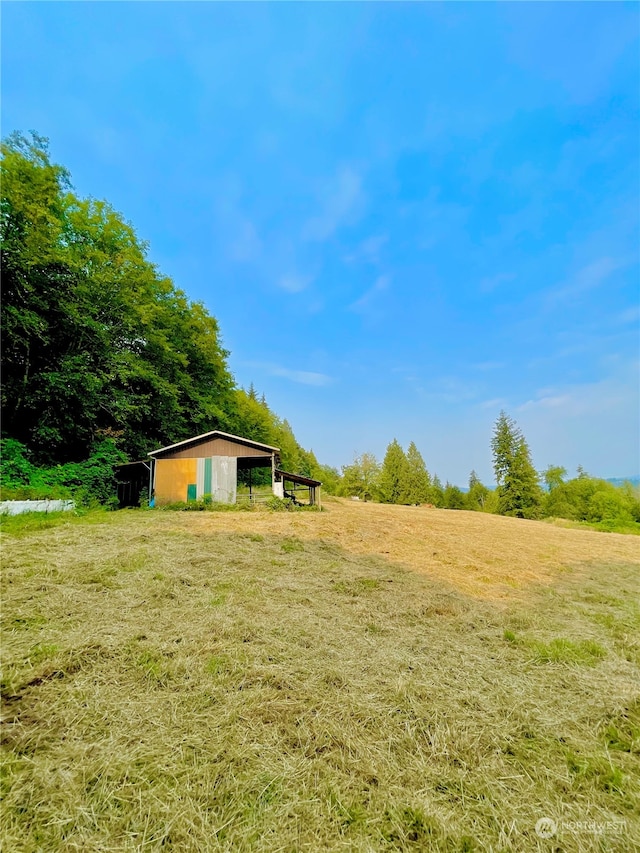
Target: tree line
point(521, 491)
point(103, 357)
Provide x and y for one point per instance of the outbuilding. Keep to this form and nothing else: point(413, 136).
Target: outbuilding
point(208, 465)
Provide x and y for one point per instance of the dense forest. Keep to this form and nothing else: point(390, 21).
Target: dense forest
point(104, 358)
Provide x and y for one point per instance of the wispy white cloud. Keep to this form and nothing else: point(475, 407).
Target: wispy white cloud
point(588, 398)
point(364, 302)
point(452, 389)
point(548, 401)
point(595, 424)
point(368, 251)
point(301, 377)
point(340, 202)
point(294, 283)
point(589, 278)
point(628, 316)
point(496, 403)
point(246, 245)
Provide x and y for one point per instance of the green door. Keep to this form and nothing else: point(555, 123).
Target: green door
point(192, 492)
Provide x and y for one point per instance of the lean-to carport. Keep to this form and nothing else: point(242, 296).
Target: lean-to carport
point(296, 485)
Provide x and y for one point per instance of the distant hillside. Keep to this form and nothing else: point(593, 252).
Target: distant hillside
point(618, 481)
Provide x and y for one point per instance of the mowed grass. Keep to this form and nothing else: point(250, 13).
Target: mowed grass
point(276, 682)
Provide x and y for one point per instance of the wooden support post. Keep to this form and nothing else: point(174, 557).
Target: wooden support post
point(152, 470)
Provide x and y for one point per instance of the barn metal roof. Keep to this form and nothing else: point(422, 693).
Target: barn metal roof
point(216, 433)
point(298, 478)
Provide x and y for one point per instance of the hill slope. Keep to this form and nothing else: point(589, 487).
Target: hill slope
point(369, 678)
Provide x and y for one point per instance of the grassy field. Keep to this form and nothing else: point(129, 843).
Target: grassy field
point(368, 678)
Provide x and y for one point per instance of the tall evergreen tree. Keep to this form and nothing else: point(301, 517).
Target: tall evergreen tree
point(519, 492)
point(436, 492)
point(394, 475)
point(418, 480)
point(289, 447)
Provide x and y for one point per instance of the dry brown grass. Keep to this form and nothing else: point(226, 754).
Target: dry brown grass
point(482, 555)
point(319, 681)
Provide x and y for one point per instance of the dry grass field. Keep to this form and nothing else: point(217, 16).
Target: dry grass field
point(368, 678)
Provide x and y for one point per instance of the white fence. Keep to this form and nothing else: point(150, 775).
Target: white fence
point(19, 507)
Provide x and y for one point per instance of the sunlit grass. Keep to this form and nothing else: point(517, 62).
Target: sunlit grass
point(245, 682)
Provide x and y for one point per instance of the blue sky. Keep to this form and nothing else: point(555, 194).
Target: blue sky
point(405, 217)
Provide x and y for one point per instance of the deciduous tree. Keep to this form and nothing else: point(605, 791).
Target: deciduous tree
point(360, 479)
point(477, 494)
point(553, 476)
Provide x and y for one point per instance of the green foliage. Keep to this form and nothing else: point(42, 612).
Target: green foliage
point(360, 479)
point(519, 492)
point(253, 419)
point(478, 495)
point(329, 477)
point(436, 492)
point(284, 438)
point(96, 342)
point(276, 504)
point(17, 469)
point(553, 476)
point(595, 501)
point(394, 476)
point(454, 498)
point(491, 502)
point(88, 482)
point(418, 481)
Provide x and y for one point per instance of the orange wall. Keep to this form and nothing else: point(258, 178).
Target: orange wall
point(172, 478)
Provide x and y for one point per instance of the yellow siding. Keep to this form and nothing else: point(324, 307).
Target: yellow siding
point(172, 478)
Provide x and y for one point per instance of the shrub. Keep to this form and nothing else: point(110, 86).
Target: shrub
point(595, 501)
point(17, 470)
point(88, 483)
point(277, 504)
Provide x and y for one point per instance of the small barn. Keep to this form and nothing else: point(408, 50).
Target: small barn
point(209, 464)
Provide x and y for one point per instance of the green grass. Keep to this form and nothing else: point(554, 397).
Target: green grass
point(32, 522)
point(166, 687)
point(626, 526)
point(559, 649)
